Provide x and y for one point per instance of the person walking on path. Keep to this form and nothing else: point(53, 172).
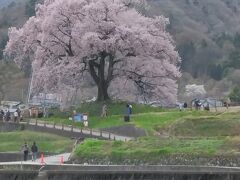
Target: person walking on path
point(104, 111)
point(25, 151)
point(34, 150)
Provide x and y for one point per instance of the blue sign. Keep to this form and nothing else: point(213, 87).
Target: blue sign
point(78, 118)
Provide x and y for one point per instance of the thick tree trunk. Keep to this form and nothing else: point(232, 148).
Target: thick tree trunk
point(102, 92)
point(97, 71)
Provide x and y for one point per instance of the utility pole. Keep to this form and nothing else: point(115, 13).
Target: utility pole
point(30, 89)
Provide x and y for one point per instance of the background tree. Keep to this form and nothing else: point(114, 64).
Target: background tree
point(12, 82)
point(195, 91)
point(30, 7)
point(108, 42)
point(235, 94)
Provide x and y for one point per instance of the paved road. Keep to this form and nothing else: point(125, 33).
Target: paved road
point(94, 132)
point(56, 159)
point(51, 160)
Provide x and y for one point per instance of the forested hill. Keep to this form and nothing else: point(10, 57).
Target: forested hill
point(207, 34)
point(4, 3)
point(201, 16)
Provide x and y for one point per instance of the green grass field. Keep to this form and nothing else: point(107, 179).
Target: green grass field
point(154, 145)
point(147, 149)
point(12, 142)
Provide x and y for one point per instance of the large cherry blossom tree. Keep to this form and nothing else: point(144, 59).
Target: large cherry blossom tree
point(106, 43)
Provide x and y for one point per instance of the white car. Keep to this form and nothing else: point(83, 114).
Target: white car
point(12, 106)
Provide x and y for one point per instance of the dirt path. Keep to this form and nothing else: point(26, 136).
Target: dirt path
point(231, 109)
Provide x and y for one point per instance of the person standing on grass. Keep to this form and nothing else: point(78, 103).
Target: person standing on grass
point(34, 150)
point(130, 109)
point(15, 114)
point(19, 114)
point(8, 116)
point(128, 113)
point(2, 115)
point(185, 106)
point(25, 151)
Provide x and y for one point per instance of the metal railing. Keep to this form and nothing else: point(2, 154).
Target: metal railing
point(85, 131)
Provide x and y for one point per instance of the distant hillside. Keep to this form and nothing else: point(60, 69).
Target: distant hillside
point(197, 26)
point(208, 40)
point(5, 3)
point(201, 16)
point(13, 83)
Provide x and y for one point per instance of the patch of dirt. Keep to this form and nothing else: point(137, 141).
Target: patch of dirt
point(127, 130)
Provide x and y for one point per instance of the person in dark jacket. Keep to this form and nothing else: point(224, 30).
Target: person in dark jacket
point(2, 115)
point(127, 113)
point(8, 116)
point(34, 150)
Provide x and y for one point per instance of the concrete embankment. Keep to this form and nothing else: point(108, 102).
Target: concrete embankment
point(73, 172)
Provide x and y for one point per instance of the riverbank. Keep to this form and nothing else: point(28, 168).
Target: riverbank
point(71, 172)
point(177, 159)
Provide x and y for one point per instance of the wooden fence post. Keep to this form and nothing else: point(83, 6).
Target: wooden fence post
point(54, 125)
point(62, 127)
point(36, 123)
point(109, 136)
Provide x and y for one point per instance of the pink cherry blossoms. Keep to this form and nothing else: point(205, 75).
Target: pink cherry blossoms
point(103, 43)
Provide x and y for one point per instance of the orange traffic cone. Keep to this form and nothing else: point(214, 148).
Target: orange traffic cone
point(42, 159)
point(61, 160)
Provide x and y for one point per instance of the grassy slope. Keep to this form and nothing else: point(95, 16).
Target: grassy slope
point(152, 144)
point(12, 141)
point(189, 133)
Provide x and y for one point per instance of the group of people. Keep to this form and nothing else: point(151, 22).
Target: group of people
point(7, 116)
point(34, 150)
point(182, 106)
point(198, 105)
